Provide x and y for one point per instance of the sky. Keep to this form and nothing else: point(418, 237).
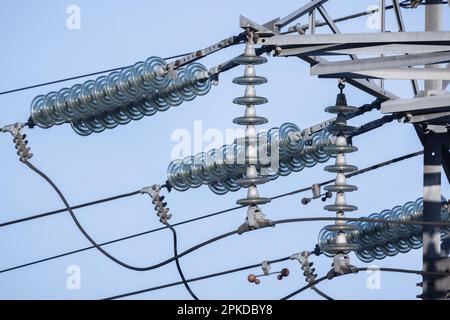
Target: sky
point(37, 46)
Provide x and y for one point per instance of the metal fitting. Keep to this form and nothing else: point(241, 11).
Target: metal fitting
point(157, 200)
point(21, 144)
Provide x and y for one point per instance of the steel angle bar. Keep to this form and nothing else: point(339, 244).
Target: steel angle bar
point(395, 74)
point(437, 117)
point(375, 63)
point(245, 22)
point(364, 85)
point(388, 49)
point(356, 40)
point(428, 104)
point(297, 14)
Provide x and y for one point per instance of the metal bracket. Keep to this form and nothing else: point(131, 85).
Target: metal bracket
point(266, 268)
point(341, 265)
point(255, 220)
point(14, 128)
point(23, 151)
point(439, 102)
point(160, 207)
point(308, 271)
point(152, 191)
point(440, 284)
point(259, 29)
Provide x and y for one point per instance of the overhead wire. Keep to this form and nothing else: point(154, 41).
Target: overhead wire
point(235, 270)
point(124, 195)
point(177, 262)
point(77, 77)
point(212, 275)
point(83, 231)
point(398, 270)
point(227, 234)
point(176, 256)
point(192, 220)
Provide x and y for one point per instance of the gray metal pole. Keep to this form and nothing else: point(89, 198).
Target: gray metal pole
point(433, 22)
point(431, 212)
point(382, 26)
point(432, 172)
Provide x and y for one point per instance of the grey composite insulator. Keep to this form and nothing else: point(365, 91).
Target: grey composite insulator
point(130, 94)
point(376, 240)
point(219, 168)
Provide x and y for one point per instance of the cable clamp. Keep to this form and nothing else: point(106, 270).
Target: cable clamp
point(267, 271)
point(341, 266)
point(23, 151)
point(308, 270)
point(157, 200)
point(265, 266)
point(255, 220)
point(316, 193)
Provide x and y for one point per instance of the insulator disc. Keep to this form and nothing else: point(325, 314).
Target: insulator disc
point(243, 59)
point(340, 207)
point(246, 80)
point(250, 100)
point(253, 201)
point(340, 168)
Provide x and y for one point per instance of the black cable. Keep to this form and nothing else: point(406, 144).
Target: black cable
point(77, 77)
point(83, 205)
point(225, 235)
point(218, 274)
point(161, 228)
point(321, 293)
point(87, 236)
point(212, 275)
point(418, 272)
point(175, 254)
point(355, 173)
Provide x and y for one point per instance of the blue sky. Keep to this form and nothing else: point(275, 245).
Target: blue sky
point(37, 47)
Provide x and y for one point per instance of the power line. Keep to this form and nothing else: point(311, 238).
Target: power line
point(213, 275)
point(187, 221)
point(218, 274)
point(418, 272)
point(83, 205)
point(225, 235)
point(321, 293)
point(87, 204)
point(77, 77)
point(177, 262)
point(80, 227)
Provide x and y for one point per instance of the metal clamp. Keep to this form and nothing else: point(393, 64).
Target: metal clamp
point(316, 193)
point(160, 207)
point(266, 268)
point(308, 270)
point(341, 265)
point(23, 151)
point(255, 220)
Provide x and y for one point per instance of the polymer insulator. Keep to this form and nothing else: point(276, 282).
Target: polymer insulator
point(377, 240)
point(130, 94)
point(341, 130)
